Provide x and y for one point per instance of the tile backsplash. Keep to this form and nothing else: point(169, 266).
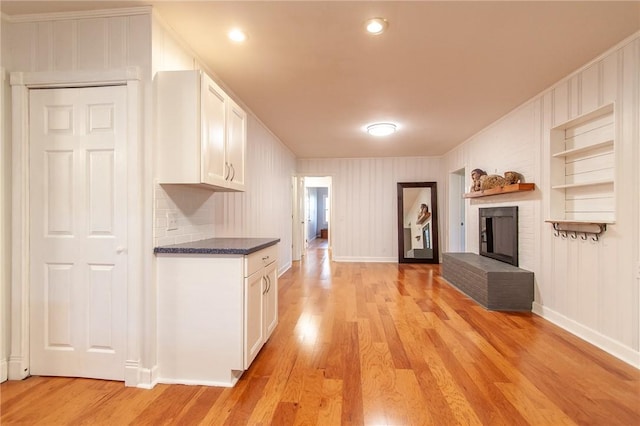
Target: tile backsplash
point(192, 209)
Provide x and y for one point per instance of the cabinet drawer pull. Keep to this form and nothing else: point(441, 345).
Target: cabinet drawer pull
point(264, 259)
point(268, 283)
point(227, 171)
point(266, 288)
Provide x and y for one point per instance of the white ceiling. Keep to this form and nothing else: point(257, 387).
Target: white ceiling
point(442, 71)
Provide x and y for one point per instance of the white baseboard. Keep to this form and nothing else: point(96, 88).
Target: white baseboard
point(365, 259)
point(148, 378)
point(284, 269)
point(625, 353)
point(131, 373)
point(4, 370)
point(18, 369)
point(196, 382)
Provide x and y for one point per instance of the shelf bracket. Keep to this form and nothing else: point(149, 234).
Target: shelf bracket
point(570, 229)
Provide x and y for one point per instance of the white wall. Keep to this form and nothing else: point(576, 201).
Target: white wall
point(587, 287)
point(364, 196)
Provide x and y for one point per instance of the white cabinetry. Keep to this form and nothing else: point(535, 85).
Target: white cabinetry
point(215, 312)
point(583, 168)
point(201, 132)
point(261, 302)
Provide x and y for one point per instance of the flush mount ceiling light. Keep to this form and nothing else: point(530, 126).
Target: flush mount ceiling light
point(237, 35)
point(376, 25)
point(381, 129)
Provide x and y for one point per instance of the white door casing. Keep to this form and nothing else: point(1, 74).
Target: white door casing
point(78, 232)
point(298, 217)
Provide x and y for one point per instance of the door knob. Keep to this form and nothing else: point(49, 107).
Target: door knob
point(121, 249)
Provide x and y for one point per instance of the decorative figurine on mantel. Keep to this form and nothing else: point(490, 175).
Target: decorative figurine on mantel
point(513, 177)
point(482, 181)
point(476, 174)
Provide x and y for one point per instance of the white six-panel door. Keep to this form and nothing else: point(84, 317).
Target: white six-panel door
point(78, 232)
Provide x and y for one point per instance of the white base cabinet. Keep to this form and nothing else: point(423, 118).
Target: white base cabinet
point(261, 308)
point(215, 312)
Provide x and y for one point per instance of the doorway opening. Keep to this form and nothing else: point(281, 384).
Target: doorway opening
point(457, 211)
point(312, 214)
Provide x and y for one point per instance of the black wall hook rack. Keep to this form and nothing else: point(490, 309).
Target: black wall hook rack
point(573, 229)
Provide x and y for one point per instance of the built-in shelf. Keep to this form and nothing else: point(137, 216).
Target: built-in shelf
point(588, 148)
point(507, 189)
point(579, 228)
point(583, 172)
point(578, 184)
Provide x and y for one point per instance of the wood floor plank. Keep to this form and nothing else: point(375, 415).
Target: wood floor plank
point(242, 409)
point(330, 403)
point(310, 398)
point(196, 411)
point(166, 409)
point(367, 343)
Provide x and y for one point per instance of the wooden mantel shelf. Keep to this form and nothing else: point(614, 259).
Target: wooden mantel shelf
point(516, 187)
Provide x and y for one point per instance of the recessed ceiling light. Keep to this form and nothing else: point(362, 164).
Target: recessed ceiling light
point(381, 129)
point(376, 25)
point(237, 35)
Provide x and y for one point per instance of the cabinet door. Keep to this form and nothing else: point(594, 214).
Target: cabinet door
point(255, 286)
point(236, 141)
point(213, 111)
point(271, 300)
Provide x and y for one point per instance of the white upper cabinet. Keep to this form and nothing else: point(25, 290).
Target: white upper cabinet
point(201, 132)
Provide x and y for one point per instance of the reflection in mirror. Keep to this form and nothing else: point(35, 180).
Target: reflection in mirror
point(417, 222)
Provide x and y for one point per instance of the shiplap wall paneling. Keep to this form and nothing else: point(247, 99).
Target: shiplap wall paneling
point(65, 44)
point(168, 54)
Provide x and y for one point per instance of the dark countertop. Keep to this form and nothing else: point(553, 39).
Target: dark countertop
point(219, 246)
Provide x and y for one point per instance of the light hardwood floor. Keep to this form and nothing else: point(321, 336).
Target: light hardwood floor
point(375, 344)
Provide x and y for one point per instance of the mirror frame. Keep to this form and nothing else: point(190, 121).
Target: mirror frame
point(434, 222)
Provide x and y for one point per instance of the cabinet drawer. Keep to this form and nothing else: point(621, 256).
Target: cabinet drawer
point(259, 259)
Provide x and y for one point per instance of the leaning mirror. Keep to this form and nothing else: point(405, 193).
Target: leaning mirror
point(417, 222)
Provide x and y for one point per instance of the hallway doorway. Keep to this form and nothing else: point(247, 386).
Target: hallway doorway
point(457, 211)
point(312, 214)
